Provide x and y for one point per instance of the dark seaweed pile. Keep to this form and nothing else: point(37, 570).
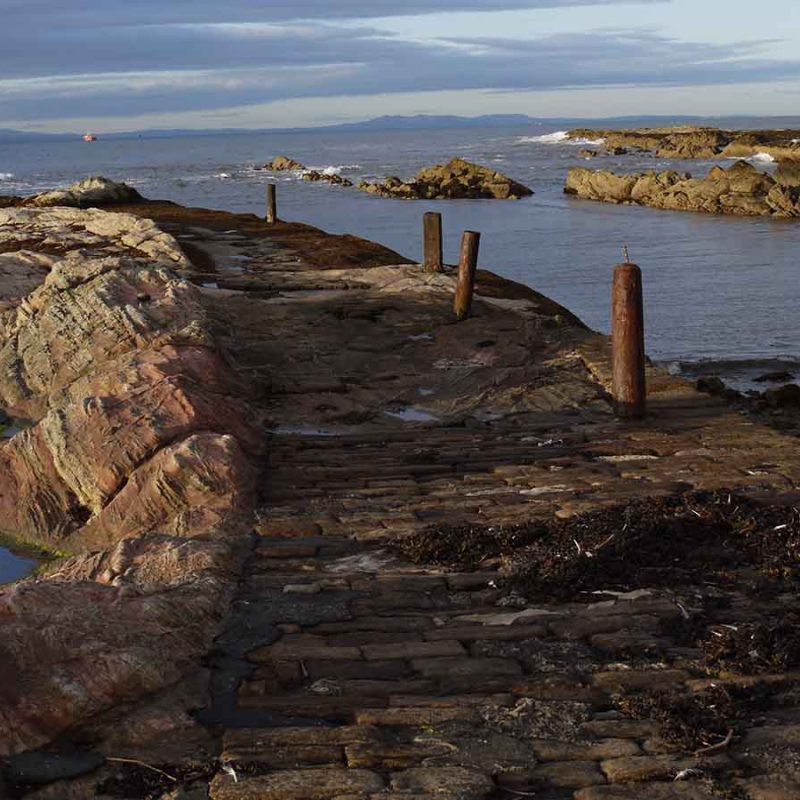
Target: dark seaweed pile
point(690, 538)
point(772, 646)
point(694, 721)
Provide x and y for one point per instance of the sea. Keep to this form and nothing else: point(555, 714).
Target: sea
point(722, 294)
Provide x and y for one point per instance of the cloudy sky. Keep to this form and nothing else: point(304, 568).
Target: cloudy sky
point(110, 65)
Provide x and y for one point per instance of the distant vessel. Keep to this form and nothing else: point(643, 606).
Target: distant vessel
point(89, 137)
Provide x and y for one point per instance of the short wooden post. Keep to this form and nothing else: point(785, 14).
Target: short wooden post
point(272, 204)
point(467, 267)
point(627, 343)
point(433, 259)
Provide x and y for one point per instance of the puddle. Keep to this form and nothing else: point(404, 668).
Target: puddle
point(420, 337)
point(425, 392)
point(412, 415)
point(9, 432)
point(14, 567)
point(213, 285)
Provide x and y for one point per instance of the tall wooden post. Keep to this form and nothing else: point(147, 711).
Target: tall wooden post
point(467, 267)
point(272, 204)
point(433, 259)
point(627, 342)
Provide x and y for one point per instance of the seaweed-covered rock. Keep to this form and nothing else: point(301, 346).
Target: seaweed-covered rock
point(456, 180)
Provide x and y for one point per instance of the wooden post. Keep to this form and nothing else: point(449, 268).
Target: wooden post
point(272, 204)
point(627, 343)
point(432, 240)
point(467, 266)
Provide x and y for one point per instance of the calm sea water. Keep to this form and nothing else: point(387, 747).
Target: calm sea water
point(717, 288)
point(722, 293)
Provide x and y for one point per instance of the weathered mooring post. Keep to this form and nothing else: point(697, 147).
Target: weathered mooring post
point(467, 266)
point(433, 258)
point(272, 204)
point(627, 343)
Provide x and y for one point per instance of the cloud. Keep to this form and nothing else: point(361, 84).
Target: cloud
point(134, 58)
point(101, 13)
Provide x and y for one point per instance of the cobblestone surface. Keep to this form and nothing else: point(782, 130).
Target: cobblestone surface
point(371, 677)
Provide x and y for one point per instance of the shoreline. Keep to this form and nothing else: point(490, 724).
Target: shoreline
point(248, 566)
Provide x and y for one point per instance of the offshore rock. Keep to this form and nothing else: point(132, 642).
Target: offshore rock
point(741, 190)
point(456, 180)
point(315, 176)
point(284, 164)
point(95, 191)
point(691, 142)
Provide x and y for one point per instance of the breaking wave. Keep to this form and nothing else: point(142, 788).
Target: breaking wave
point(559, 137)
point(6, 176)
point(336, 169)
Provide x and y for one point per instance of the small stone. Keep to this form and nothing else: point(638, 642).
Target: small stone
point(302, 588)
point(418, 716)
point(303, 784)
point(456, 782)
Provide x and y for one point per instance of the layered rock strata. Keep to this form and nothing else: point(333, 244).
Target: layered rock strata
point(139, 455)
point(456, 180)
point(741, 190)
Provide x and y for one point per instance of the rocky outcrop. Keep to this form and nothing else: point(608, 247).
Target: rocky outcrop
point(284, 164)
point(456, 180)
point(315, 176)
point(139, 425)
point(96, 191)
point(111, 358)
point(740, 190)
point(105, 630)
point(689, 142)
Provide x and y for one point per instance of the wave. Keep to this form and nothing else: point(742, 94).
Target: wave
point(224, 175)
point(757, 158)
point(6, 176)
point(335, 169)
point(547, 138)
point(560, 137)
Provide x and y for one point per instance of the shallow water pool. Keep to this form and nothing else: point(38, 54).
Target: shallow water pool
point(14, 567)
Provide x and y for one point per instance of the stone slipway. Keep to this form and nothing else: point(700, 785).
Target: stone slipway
point(340, 670)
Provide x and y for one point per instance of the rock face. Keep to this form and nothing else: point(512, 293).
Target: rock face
point(105, 630)
point(740, 190)
point(284, 164)
point(455, 180)
point(697, 142)
point(96, 191)
point(138, 425)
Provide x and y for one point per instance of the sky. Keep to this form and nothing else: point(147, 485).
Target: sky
point(114, 65)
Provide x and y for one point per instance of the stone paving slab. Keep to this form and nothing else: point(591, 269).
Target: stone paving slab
point(383, 679)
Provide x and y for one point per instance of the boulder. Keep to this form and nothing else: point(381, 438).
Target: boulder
point(456, 180)
point(284, 164)
point(96, 191)
point(740, 190)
